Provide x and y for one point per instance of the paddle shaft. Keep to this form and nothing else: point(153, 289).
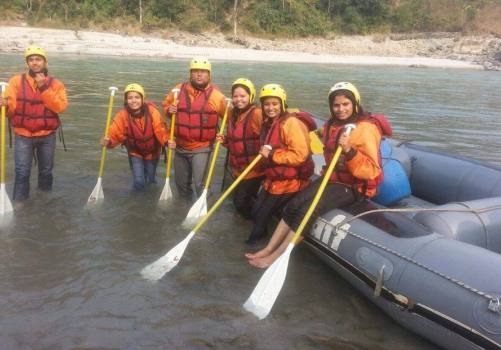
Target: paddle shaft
point(171, 137)
point(227, 192)
point(2, 139)
point(106, 129)
point(319, 193)
point(216, 149)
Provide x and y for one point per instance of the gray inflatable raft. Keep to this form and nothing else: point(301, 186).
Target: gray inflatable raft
point(430, 257)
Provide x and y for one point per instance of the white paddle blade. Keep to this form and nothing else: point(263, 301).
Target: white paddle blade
point(198, 209)
point(160, 267)
point(97, 194)
point(166, 192)
point(5, 204)
point(267, 289)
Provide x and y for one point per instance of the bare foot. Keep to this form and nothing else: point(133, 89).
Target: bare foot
point(259, 254)
point(262, 262)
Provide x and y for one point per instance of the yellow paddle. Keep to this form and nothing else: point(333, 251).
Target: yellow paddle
point(97, 194)
point(160, 267)
point(5, 204)
point(266, 291)
point(167, 192)
point(199, 208)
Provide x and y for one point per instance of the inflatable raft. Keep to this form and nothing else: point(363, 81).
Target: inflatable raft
point(427, 249)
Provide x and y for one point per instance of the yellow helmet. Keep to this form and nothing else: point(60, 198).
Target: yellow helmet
point(200, 63)
point(274, 90)
point(35, 50)
point(248, 84)
point(135, 88)
point(345, 86)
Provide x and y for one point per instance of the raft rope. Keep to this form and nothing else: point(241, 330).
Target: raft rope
point(406, 210)
point(494, 301)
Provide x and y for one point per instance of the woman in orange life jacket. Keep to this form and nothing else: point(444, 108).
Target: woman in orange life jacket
point(356, 175)
point(140, 127)
point(243, 142)
point(288, 164)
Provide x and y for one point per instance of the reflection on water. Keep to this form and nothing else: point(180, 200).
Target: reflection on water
point(69, 274)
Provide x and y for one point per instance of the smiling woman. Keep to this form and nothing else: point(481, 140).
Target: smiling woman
point(142, 130)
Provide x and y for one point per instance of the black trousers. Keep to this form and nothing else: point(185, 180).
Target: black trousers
point(245, 195)
point(264, 208)
point(335, 195)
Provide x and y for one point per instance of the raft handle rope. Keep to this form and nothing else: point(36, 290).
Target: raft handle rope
point(494, 302)
point(406, 210)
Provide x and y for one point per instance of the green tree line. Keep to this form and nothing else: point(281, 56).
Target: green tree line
point(260, 17)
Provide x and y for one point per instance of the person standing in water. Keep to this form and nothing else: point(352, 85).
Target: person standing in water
point(199, 106)
point(243, 142)
point(288, 164)
point(142, 130)
point(356, 175)
point(34, 100)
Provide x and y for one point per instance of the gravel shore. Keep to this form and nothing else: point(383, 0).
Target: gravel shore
point(417, 50)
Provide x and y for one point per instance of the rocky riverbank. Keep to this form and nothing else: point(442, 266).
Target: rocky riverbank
point(423, 49)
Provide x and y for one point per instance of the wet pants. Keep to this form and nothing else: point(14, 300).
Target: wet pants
point(189, 168)
point(24, 149)
point(245, 195)
point(334, 196)
point(143, 171)
point(264, 208)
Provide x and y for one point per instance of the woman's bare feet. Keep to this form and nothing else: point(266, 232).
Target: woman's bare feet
point(259, 254)
point(262, 262)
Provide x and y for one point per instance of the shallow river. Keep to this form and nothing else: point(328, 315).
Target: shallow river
point(69, 275)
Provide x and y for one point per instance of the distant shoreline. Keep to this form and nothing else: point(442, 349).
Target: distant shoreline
point(55, 41)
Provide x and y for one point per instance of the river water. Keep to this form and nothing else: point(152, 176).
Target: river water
point(69, 275)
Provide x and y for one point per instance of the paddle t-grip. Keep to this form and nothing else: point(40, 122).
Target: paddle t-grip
point(3, 84)
point(113, 89)
point(348, 128)
point(176, 92)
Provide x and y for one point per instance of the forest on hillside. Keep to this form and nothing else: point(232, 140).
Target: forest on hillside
point(285, 18)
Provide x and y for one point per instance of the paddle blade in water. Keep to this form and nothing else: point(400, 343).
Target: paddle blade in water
point(267, 289)
point(198, 209)
point(160, 267)
point(5, 204)
point(97, 194)
point(166, 192)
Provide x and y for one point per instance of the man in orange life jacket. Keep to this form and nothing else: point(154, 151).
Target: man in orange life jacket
point(34, 100)
point(140, 127)
point(198, 107)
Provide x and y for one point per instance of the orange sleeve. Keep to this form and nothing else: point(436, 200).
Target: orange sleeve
point(218, 102)
point(169, 99)
point(297, 140)
point(11, 94)
point(365, 139)
point(118, 129)
point(54, 96)
point(159, 127)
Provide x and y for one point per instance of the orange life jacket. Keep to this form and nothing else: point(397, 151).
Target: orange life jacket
point(139, 140)
point(30, 112)
point(243, 143)
point(341, 174)
point(197, 120)
point(270, 135)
